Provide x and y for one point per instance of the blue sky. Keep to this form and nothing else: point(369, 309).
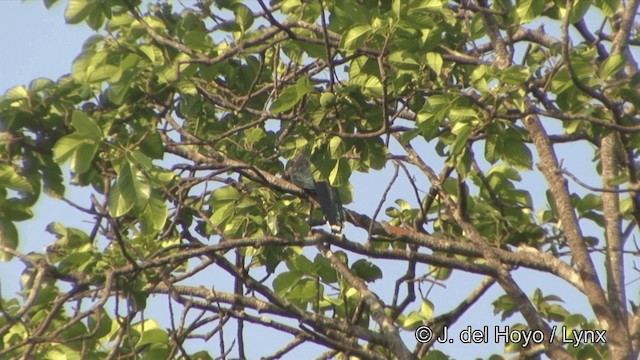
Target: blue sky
point(36, 42)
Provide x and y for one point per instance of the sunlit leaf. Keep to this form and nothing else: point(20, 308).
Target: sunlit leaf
point(85, 126)
point(10, 179)
point(152, 336)
point(77, 10)
point(8, 238)
point(355, 36)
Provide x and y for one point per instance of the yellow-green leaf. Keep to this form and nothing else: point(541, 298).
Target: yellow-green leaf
point(85, 125)
point(77, 10)
point(8, 238)
point(355, 36)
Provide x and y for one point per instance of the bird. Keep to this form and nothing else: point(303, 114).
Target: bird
point(298, 171)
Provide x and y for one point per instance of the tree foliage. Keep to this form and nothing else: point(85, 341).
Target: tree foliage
point(176, 124)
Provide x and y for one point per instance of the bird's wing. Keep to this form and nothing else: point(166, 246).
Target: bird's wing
point(298, 170)
point(329, 199)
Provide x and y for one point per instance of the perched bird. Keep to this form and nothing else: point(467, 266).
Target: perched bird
point(298, 170)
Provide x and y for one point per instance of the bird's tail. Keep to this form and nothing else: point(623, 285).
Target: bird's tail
point(331, 205)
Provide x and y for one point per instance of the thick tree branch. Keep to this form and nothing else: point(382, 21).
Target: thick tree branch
point(558, 187)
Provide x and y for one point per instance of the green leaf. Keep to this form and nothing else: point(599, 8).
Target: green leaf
point(285, 281)
point(589, 202)
point(66, 147)
point(556, 312)
point(515, 75)
point(224, 195)
point(140, 161)
point(119, 205)
point(40, 84)
point(611, 66)
point(355, 36)
point(303, 87)
point(96, 17)
point(291, 96)
point(15, 210)
point(575, 320)
point(51, 177)
point(303, 291)
point(302, 264)
point(580, 8)
point(117, 92)
point(10, 179)
point(103, 72)
point(150, 52)
point(323, 268)
point(505, 305)
point(85, 126)
point(272, 223)
point(336, 148)
point(428, 4)
point(608, 7)
point(404, 60)
point(373, 154)
point(440, 273)
point(462, 130)
point(154, 215)
point(8, 238)
point(152, 146)
point(78, 149)
point(83, 157)
point(426, 309)
point(529, 10)
point(340, 173)
point(412, 321)
point(77, 10)
point(222, 215)
point(99, 323)
point(153, 336)
point(517, 153)
point(490, 147)
point(434, 61)
point(366, 270)
point(138, 296)
point(396, 6)
point(244, 16)
point(370, 84)
point(133, 184)
point(327, 99)
point(16, 93)
point(462, 113)
point(349, 12)
point(161, 351)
